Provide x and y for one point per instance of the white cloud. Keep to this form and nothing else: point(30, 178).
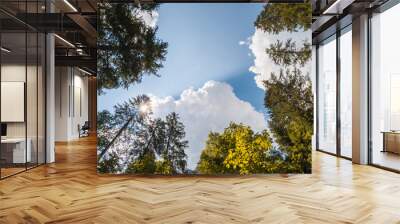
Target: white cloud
point(209, 108)
point(263, 66)
point(149, 18)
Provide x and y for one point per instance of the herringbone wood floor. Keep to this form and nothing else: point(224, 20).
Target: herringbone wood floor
point(70, 191)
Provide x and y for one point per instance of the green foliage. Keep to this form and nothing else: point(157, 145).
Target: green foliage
point(238, 150)
point(276, 162)
point(280, 17)
point(300, 157)
point(287, 54)
point(145, 164)
point(165, 139)
point(287, 17)
point(213, 155)
point(164, 167)
point(103, 124)
point(290, 102)
point(143, 144)
point(288, 95)
point(109, 165)
point(174, 145)
point(127, 48)
point(126, 118)
point(250, 152)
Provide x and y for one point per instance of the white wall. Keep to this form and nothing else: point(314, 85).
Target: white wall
point(33, 126)
point(62, 81)
point(70, 84)
point(17, 73)
point(81, 114)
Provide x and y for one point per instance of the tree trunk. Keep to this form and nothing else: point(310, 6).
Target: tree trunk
point(113, 140)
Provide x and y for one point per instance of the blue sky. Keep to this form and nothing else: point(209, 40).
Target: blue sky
point(203, 45)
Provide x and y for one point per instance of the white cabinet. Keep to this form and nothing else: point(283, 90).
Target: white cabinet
point(19, 154)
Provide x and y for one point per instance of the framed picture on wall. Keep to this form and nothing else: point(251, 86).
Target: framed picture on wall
point(215, 89)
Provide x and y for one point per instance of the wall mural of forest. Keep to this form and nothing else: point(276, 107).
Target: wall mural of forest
point(204, 88)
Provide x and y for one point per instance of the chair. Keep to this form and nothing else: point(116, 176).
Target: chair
point(84, 130)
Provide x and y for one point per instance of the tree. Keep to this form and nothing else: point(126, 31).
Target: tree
point(103, 126)
point(237, 150)
point(289, 101)
point(126, 117)
point(299, 152)
point(287, 54)
point(150, 137)
point(110, 164)
point(141, 143)
point(291, 18)
point(144, 164)
point(115, 132)
point(280, 17)
point(250, 152)
point(288, 95)
point(165, 139)
point(213, 155)
point(127, 48)
point(174, 149)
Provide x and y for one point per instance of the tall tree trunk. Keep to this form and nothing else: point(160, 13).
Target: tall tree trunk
point(103, 152)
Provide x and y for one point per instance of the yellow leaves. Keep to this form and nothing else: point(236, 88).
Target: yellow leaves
point(248, 151)
point(240, 150)
point(164, 167)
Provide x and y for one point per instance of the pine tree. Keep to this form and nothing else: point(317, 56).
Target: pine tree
point(288, 54)
point(165, 139)
point(124, 122)
point(291, 18)
point(135, 142)
point(281, 17)
point(127, 48)
point(110, 164)
point(288, 95)
point(174, 150)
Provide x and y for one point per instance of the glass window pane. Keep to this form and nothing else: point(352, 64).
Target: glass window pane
point(31, 97)
point(327, 96)
point(41, 99)
point(13, 86)
point(385, 84)
point(22, 89)
point(346, 94)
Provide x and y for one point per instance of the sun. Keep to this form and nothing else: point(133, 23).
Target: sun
point(145, 108)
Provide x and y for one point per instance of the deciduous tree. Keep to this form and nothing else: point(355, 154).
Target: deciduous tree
point(238, 150)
